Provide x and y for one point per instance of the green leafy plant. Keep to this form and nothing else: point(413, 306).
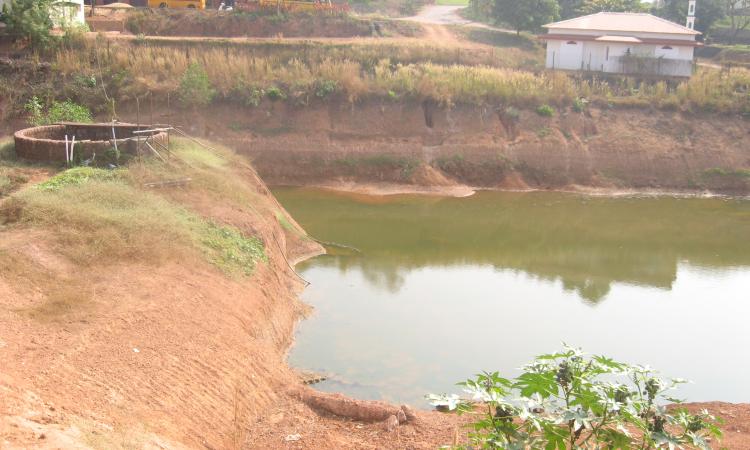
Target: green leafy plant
point(545, 111)
point(275, 93)
point(78, 176)
point(30, 20)
point(325, 88)
point(66, 111)
point(231, 249)
point(567, 400)
point(195, 88)
point(112, 156)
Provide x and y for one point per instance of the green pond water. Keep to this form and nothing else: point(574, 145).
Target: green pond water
point(446, 287)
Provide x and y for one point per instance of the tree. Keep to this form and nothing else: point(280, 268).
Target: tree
point(528, 15)
point(706, 14)
point(570, 8)
point(595, 6)
point(738, 12)
point(29, 19)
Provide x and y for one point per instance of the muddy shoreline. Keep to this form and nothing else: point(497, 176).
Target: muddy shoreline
point(460, 191)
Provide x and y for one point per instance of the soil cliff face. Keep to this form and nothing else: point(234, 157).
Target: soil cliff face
point(424, 144)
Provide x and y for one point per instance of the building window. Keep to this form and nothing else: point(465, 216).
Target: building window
point(666, 47)
point(692, 9)
point(572, 43)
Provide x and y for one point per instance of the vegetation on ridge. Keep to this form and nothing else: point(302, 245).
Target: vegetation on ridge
point(239, 74)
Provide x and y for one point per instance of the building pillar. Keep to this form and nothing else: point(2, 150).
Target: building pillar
point(691, 14)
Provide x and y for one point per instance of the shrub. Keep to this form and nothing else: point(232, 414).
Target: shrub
point(545, 111)
point(195, 88)
point(580, 104)
point(325, 88)
point(112, 156)
point(275, 93)
point(254, 96)
point(512, 113)
point(566, 400)
point(66, 111)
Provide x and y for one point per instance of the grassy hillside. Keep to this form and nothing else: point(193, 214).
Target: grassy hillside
point(100, 216)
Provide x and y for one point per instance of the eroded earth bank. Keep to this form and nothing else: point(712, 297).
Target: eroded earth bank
point(383, 147)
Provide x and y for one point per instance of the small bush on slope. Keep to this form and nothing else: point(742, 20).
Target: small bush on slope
point(195, 87)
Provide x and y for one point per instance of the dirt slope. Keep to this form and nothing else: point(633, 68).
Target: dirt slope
point(132, 353)
point(388, 147)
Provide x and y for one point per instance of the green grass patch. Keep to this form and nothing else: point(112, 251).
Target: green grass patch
point(284, 222)
point(99, 216)
point(502, 39)
point(721, 172)
point(230, 249)
point(543, 132)
point(194, 154)
point(77, 176)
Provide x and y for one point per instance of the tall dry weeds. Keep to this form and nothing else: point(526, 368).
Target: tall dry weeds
point(358, 71)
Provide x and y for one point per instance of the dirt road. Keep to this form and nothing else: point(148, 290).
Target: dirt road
point(448, 15)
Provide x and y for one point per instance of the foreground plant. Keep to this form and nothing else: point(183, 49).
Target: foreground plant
point(567, 400)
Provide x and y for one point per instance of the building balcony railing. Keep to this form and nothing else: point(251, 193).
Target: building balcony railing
point(649, 65)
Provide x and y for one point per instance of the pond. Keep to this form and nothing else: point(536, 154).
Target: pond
point(447, 287)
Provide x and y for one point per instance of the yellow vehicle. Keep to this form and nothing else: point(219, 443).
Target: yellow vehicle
point(194, 4)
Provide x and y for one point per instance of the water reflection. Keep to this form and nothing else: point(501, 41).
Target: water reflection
point(444, 288)
point(585, 242)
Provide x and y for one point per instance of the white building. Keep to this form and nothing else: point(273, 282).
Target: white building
point(67, 13)
point(626, 43)
point(64, 13)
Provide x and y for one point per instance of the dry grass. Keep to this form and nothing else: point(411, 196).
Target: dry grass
point(243, 73)
point(51, 295)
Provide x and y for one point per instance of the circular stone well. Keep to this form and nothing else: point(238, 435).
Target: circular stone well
point(47, 143)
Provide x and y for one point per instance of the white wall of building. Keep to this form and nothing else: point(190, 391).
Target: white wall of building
point(607, 56)
point(67, 13)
